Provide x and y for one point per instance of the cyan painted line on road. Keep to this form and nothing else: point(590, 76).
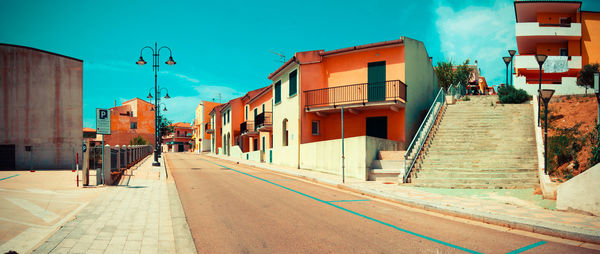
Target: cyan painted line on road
point(352, 212)
point(528, 247)
point(351, 200)
point(9, 177)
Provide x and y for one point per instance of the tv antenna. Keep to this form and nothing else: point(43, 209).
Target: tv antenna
point(280, 55)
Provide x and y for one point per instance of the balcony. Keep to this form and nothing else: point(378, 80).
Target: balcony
point(568, 31)
point(528, 62)
point(248, 128)
point(208, 128)
point(391, 93)
point(264, 121)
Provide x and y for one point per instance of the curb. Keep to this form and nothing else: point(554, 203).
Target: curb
point(540, 227)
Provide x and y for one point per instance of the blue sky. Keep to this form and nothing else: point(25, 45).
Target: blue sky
point(224, 47)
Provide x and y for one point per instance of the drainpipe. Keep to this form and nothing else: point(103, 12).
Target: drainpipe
point(343, 159)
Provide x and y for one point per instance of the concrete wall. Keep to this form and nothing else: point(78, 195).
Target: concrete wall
point(326, 156)
point(252, 156)
point(581, 193)
point(568, 86)
point(421, 83)
point(288, 108)
point(41, 106)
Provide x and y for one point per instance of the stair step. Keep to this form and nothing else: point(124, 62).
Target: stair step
point(474, 186)
point(387, 164)
point(391, 155)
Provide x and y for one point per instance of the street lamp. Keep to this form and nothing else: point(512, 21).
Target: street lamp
point(512, 53)
point(155, 67)
point(540, 59)
point(507, 60)
point(546, 95)
point(597, 92)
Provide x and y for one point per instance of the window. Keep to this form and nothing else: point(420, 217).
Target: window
point(315, 128)
point(285, 133)
point(228, 114)
point(133, 125)
point(564, 52)
point(263, 108)
point(278, 92)
point(246, 112)
point(293, 82)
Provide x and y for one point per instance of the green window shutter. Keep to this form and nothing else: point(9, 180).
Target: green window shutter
point(278, 92)
point(293, 82)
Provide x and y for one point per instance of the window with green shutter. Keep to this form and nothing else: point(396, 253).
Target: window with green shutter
point(278, 92)
point(293, 82)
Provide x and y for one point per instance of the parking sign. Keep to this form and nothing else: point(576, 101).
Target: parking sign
point(103, 121)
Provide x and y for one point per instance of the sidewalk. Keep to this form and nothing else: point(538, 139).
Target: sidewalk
point(141, 215)
point(504, 211)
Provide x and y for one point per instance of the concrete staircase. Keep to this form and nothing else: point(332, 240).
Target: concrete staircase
point(479, 146)
point(388, 166)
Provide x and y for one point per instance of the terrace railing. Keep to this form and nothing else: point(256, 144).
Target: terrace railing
point(264, 119)
point(246, 127)
point(391, 90)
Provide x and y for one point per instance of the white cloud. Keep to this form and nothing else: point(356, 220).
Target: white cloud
point(187, 78)
point(478, 33)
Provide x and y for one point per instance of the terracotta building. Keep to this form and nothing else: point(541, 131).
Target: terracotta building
point(41, 115)
point(569, 36)
point(133, 118)
point(200, 137)
point(180, 139)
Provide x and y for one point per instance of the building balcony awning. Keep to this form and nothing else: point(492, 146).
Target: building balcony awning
point(390, 94)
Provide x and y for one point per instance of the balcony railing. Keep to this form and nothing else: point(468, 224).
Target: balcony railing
point(391, 90)
point(571, 30)
point(264, 119)
point(247, 126)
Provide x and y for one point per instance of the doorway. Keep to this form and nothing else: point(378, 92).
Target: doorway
point(7, 157)
point(376, 79)
point(377, 127)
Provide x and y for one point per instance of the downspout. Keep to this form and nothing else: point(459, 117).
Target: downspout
point(299, 84)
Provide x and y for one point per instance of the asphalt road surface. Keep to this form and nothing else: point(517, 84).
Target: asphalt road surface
point(235, 208)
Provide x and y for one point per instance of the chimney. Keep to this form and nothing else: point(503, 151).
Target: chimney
point(115, 103)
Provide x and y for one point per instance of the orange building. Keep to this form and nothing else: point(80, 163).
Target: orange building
point(256, 130)
point(133, 118)
point(569, 36)
point(180, 139)
point(200, 137)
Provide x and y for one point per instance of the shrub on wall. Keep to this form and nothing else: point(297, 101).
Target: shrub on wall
point(511, 95)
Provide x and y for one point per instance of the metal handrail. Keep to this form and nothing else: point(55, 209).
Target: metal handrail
point(441, 94)
point(356, 93)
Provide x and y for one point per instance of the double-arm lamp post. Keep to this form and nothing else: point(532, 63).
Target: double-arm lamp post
point(155, 66)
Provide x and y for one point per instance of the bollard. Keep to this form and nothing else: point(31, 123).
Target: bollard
point(86, 164)
point(106, 165)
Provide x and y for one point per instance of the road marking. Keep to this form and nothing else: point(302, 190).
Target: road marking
point(34, 209)
point(282, 179)
point(528, 247)
point(352, 212)
point(352, 200)
point(9, 177)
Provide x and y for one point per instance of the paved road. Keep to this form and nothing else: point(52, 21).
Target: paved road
point(239, 209)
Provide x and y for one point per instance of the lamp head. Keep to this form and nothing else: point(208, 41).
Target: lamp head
point(167, 96)
point(541, 59)
point(152, 109)
point(165, 109)
point(512, 52)
point(140, 61)
point(149, 96)
point(170, 61)
point(597, 83)
point(507, 59)
point(546, 94)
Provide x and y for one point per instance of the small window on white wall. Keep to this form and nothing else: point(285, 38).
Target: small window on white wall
point(315, 128)
point(284, 132)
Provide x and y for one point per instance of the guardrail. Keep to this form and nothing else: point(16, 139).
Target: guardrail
point(423, 132)
point(356, 93)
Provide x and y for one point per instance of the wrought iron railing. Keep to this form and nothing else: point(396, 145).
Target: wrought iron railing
point(391, 90)
point(246, 127)
point(264, 119)
point(410, 157)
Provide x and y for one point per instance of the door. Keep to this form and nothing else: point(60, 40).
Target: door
point(254, 144)
point(180, 148)
point(377, 127)
point(7, 157)
point(376, 81)
point(255, 114)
